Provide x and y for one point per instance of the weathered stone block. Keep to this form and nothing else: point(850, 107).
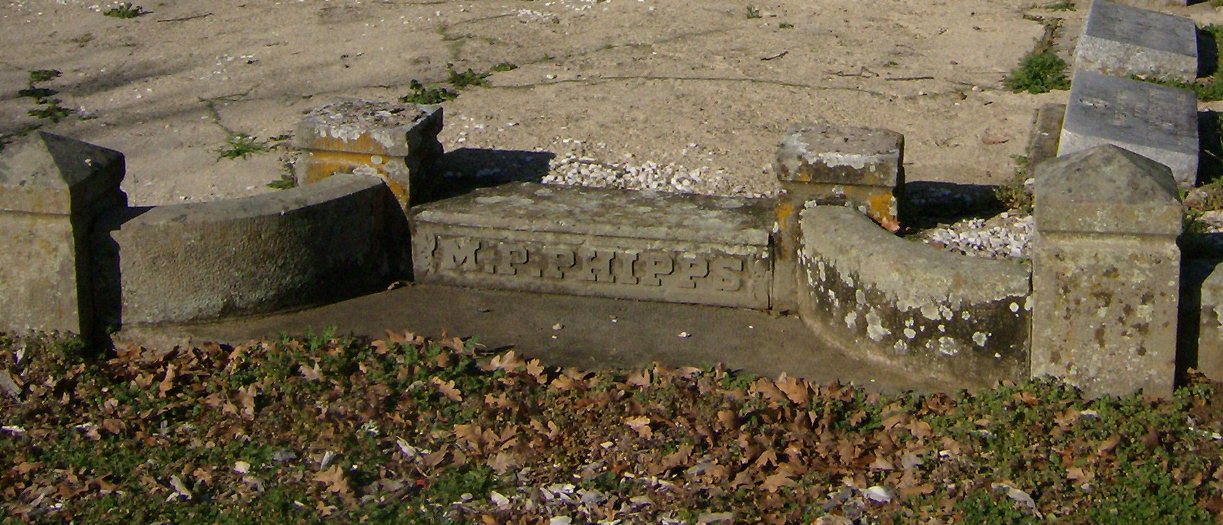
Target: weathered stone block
point(844, 165)
point(1210, 332)
point(51, 190)
point(1106, 272)
point(397, 143)
point(1158, 122)
point(598, 242)
point(201, 261)
point(1122, 40)
point(859, 167)
point(877, 295)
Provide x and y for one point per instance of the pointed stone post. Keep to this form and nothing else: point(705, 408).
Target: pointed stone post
point(1106, 272)
point(51, 190)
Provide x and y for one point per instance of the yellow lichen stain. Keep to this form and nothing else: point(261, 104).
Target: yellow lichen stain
point(785, 210)
point(883, 210)
point(322, 164)
point(364, 144)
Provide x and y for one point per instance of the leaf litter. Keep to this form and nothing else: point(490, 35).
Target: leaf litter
point(404, 429)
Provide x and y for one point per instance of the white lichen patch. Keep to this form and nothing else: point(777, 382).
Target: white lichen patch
point(910, 333)
point(1014, 307)
point(851, 320)
point(874, 327)
point(948, 346)
point(980, 338)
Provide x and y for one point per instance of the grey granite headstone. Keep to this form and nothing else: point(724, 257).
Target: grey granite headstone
point(598, 242)
point(1122, 40)
point(1155, 121)
point(1106, 272)
point(52, 188)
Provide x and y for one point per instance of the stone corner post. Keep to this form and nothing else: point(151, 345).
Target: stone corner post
point(1106, 272)
point(52, 188)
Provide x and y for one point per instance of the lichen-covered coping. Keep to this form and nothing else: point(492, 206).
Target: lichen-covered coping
point(199, 261)
point(361, 126)
point(936, 311)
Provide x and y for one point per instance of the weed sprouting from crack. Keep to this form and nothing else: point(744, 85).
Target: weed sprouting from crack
point(465, 79)
point(125, 10)
point(241, 145)
point(419, 94)
point(752, 12)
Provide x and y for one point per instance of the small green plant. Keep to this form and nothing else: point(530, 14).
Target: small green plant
point(785, 25)
point(50, 110)
point(1039, 73)
point(43, 75)
point(465, 79)
point(286, 181)
point(1014, 194)
point(1062, 5)
point(124, 10)
point(241, 145)
point(505, 66)
point(752, 12)
point(419, 94)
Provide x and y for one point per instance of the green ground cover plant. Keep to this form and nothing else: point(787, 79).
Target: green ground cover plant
point(124, 10)
point(409, 430)
point(1039, 72)
point(241, 146)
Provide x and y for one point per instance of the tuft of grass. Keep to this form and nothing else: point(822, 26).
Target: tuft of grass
point(785, 25)
point(752, 12)
point(1040, 72)
point(39, 94)
point(286, 181)
point(124, 10)
point(1015, 194)
point(241, 145)
point(505, 66)
point(43, 75)
point(466, 79)
point(419, 94)
point(50, 110)
point(1062, 5)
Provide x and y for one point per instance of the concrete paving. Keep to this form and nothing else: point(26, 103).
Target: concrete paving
point(592, 333)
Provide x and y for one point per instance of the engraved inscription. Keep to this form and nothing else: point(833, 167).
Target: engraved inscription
point(652, 268)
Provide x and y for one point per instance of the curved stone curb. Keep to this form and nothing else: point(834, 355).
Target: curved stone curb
point(200, 261)
point(905, 302)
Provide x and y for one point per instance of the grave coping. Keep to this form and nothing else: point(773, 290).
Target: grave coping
point(647, 215)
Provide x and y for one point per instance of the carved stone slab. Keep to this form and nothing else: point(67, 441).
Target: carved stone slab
point(1157, 122)
point(1122, 40)
point(598, 242)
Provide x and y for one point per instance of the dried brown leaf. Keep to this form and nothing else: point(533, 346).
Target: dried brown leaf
point(640, 425)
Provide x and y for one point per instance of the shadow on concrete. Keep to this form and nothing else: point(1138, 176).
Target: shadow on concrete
point(584, 332)
point(930, 203)
point(466, 169)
